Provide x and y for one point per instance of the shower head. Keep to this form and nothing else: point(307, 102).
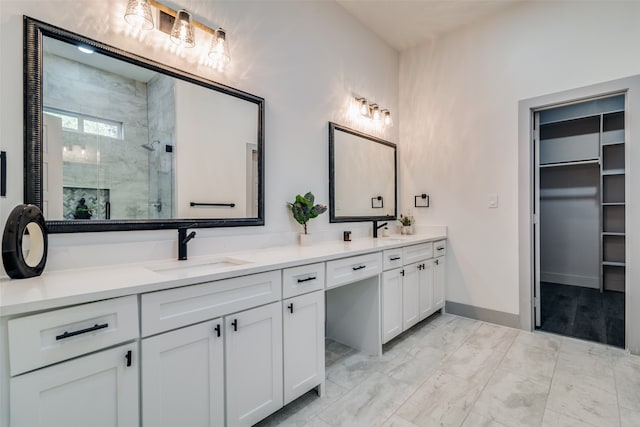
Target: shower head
point(151, 146)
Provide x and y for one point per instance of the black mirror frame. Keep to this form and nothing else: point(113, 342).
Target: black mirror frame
point(332, 212)
point(34, 30)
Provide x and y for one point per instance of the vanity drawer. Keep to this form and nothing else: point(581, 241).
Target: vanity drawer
point(440, 248)
point(347, 270)
point(392, 258)
point(42, 339)
point(303, 279)
point(173, 308)
point(415, 253)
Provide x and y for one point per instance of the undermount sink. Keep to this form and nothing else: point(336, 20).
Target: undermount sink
point(197, 267)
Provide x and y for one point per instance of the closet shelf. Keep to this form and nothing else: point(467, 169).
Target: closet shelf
point(612, 233)
point(613, 263)
point(613, 204)
point(613, 172)
point(605, 144)
point(574, 163)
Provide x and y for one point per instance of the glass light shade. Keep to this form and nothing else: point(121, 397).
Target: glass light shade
point(138, 14)
point(386, 116)
point(375, 112)
point(182, 32)
point(363, 108)
point(219, 51)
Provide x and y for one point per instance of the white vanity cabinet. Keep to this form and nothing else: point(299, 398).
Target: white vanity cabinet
point(58, 381)
point(439, 275)
point(253, 353)
point(391, 299)
point(303, 329)
point(183, 377)
point(413, 292)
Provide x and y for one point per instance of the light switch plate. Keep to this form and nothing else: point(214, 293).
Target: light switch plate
point(493, 200)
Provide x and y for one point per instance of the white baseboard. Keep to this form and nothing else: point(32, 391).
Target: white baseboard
point(570, 279)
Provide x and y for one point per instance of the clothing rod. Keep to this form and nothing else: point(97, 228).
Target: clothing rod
point(579, 162)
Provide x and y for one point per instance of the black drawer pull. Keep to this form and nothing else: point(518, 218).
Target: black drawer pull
point(440, 249)
point(290, 307)
point(395, 258)
point(235, 324)
point(217, 329)
point(81, 331)
point(420, 266)
point(308, 279)
point(360, 267)
point(436, 262)
point(128, 357)
point(402, 273)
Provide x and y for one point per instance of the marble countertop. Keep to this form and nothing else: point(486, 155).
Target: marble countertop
point(67, 287)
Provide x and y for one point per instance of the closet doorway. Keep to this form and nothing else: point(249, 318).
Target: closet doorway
point(580, 219)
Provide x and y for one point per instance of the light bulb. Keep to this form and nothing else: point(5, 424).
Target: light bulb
point(138, 14)
point(219, 51)
point(182, 32)
point(363, 108)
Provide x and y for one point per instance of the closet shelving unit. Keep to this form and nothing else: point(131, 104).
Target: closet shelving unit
point(596, 139)
point(612, 195)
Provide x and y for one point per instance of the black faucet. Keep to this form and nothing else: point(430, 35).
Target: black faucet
point(376, 227)
point(183, 239)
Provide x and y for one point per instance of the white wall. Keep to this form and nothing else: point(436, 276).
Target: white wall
point(459, 107)
point(304, 58)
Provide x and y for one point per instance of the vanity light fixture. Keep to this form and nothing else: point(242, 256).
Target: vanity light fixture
point(179, 25)
point(182, 31)
point(373, 111)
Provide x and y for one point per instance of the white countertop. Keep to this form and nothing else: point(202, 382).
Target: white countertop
point(67, 287)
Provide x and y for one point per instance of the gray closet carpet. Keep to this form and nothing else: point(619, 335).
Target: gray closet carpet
point(583, 313)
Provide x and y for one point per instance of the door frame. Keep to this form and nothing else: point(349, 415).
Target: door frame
point(630, 86)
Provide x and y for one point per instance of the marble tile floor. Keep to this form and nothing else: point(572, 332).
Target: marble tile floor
point(454, 371)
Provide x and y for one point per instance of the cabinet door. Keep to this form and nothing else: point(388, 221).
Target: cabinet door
point(183, 377)
point(410, 296)
point(253, 350)
point(303, 325)
point(425, 280)
point(438, 282)
point(391, 304)
point(99, 390)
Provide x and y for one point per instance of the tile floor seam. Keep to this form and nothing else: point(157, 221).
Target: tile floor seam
point(553, 374)
point(487, 381)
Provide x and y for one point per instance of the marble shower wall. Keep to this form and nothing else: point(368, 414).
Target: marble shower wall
point(117, 165)
point(162, 120)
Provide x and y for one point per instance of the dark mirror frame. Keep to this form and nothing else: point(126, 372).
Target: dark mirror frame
point(34, 31)
point(333, 127)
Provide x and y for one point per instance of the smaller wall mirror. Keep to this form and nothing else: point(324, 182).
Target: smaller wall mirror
point(362, 176)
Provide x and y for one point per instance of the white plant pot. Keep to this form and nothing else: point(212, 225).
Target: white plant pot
point(407, 229)
point(305, 239)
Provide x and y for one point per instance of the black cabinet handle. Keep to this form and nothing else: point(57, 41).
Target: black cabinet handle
point(290, 307)
point(235, 324)
point(424, 266)
point(128, 357)
point(81, 331)
point(217, 329)
point(420, 267)
point(436, 262)
point(307, 279)
point(395, 258)
point(360, 267)
point(402, 273)
point(440, 249)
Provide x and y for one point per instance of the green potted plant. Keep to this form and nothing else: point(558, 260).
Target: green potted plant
point(407, 224)
point(303, 210)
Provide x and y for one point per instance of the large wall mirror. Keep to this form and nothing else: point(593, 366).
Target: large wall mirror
point(362, 176)
point(114, 141)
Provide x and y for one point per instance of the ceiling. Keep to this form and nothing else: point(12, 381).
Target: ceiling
point(407, 23)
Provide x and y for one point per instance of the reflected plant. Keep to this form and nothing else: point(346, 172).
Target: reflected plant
point(303, 209)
